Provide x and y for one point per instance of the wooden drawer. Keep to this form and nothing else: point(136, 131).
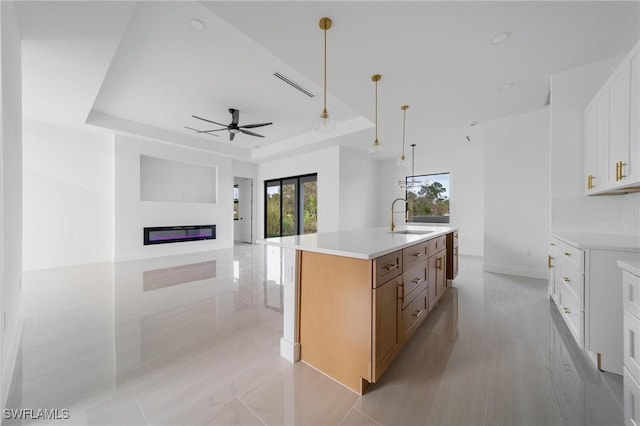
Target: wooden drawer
point(437, 244)
point(414, 313)
point(414, 255)
point(387, 267)
point(631, 399)
point(572, 314)
point(631, 293)
point(572, 281)
point(570, 255)
point(631, 337)
point(413, 280)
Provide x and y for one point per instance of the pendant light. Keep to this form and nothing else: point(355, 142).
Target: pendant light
point(325, 123)
point(375, 147)
point(412, 183)
point(402, 161)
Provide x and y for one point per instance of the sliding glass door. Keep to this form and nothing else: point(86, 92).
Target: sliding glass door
point(291, 206)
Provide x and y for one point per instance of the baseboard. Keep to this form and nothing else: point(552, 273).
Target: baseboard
point(512, 270)
point(9, 368)
point(156, 254)
point(69, 262)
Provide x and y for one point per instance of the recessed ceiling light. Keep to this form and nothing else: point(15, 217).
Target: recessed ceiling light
point(500, 38)
point(505, 87)
point(198, 25)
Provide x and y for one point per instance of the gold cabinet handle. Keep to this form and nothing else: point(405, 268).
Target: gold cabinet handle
point(401, 292)
point(419, 254)
point(622, 176)
point(390, 268)
point(418, 313)
point(590, 184)
point(566, 280)
point(567, 253)
point(549, 264)
point(617, 171)
point(439, 263)
point(418, 280)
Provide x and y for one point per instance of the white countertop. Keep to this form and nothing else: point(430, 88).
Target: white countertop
point(630, 266)
point(586, 240)
point(361, 244)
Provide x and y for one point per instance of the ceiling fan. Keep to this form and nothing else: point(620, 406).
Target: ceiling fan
point(232, 127)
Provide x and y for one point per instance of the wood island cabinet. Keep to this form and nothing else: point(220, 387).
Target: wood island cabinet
point(357, 314)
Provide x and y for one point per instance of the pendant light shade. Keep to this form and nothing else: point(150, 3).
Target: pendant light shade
point(402, 161)
point(375, 147)
point(325, 123)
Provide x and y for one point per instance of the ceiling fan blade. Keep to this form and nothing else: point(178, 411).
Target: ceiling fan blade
point(246, 132)
point(231, 136)
point(203, 131)
point(250, 126)
point(235, 116)
point(209, 131)
point(209, 121)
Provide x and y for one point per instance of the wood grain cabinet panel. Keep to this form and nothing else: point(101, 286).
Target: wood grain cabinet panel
point(387, 336)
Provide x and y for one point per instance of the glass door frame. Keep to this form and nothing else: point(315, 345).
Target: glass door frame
point(298, 202)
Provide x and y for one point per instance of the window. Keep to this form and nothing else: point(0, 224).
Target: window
point(428, 198)
point(291, 206)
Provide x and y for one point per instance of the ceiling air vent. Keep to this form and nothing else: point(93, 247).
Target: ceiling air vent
point(293, 84)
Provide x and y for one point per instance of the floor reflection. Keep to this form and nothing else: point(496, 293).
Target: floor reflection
point(100, 343)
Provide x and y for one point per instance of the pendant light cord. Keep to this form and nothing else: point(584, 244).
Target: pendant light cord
point(325, 71)
point(376, 111)
point(404, 122)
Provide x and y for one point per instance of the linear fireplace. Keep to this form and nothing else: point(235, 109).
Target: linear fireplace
point(176, 234)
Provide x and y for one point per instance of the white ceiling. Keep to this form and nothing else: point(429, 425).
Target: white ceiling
point(142, 68)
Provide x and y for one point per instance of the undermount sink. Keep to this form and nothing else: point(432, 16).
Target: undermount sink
point(412, 232)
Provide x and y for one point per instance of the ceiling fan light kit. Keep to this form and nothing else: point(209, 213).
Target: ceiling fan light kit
point(325, 123)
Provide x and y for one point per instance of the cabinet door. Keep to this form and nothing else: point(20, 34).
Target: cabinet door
point(441, 275)
point(619, 126)
point(386, 317)
point(591, 153)
point(633, 170)
point(602, 140)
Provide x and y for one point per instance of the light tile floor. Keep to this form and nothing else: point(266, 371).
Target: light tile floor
point(130, 344)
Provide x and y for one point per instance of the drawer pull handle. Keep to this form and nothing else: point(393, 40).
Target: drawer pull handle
point(549, 264)
point(567, 253)
point(418, 313)
point(439, 263)
point(390, 268)
point(418, 280)
point(419, 254)
point(566, 280)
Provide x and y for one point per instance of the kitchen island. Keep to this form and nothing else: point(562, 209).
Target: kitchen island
point(352, 299)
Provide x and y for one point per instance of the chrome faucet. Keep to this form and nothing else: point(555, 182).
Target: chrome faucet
point(393, 224)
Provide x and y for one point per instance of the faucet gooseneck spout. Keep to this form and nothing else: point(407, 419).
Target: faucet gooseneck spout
point(393, 224)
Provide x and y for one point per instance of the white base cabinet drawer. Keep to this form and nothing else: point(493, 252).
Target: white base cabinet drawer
point(631, 338)
point(631, 399)
point(572, 314)
point(631, 293)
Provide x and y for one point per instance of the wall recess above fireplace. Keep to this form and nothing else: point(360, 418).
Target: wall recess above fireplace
point(177, 234)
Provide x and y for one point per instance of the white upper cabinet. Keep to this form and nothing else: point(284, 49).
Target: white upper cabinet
point(612, 130)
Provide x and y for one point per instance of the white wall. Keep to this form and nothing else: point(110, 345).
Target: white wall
point(133, 215)
point(68, 196)
point(571, 210)
point(466, 168)
point(11, 193)
point(326, 163)
point(358, 190)
point(516, 219)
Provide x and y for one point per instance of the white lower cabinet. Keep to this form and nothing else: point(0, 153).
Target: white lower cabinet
point(631, 333)
point(584, 284)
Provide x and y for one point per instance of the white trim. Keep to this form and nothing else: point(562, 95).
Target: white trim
point(289, 350)
point(9, 366)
